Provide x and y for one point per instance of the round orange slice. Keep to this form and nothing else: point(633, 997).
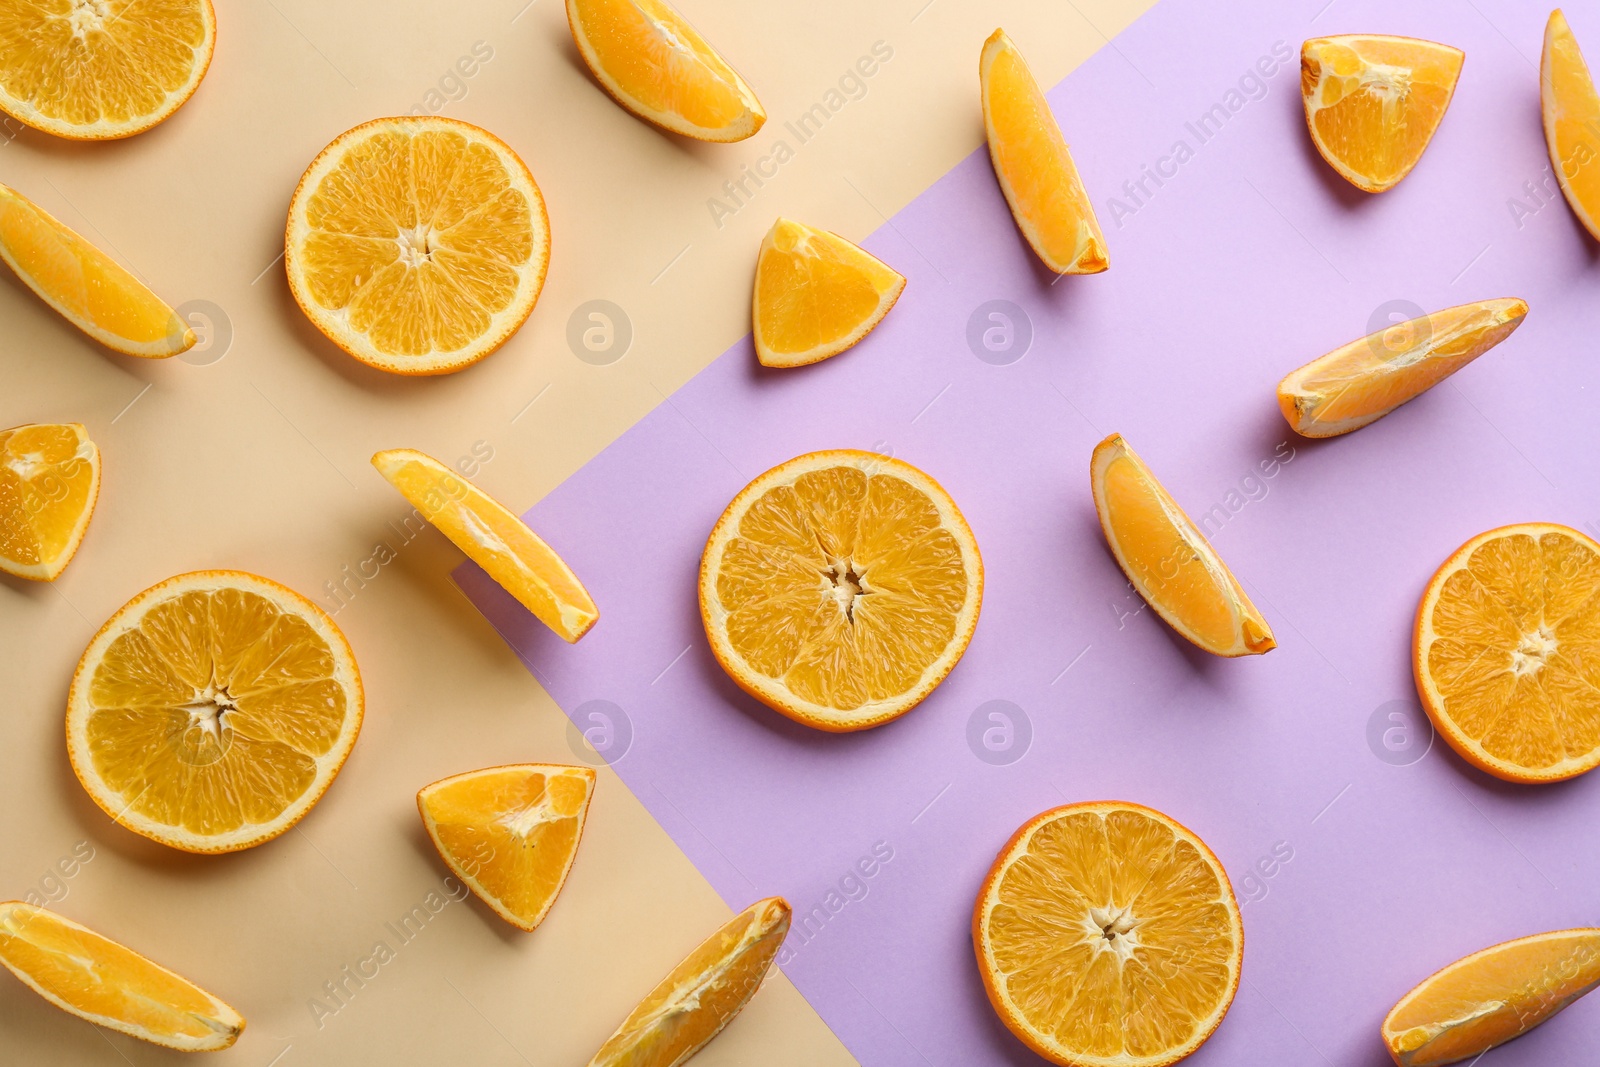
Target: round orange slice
point(1490, 997)
point(816, 295)
point(1571, 111)
point(510, 833)
point(1507, 652)
point(1108, 935)
point(94, 70)
point(1168, 560)
point(110, 985)
point(1373, 102)
point(1364, 380)
point(652, 62)
point(49, 482)
point(213, 710)
point(840, 588)
point(703, 993)
point(417, 245)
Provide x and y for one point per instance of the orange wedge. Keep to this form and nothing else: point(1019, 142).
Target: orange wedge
point(702, 994)
point(212, 711)
point(1571, 121)
point(493, 538)
point(1492, 996)
point(85, 285)
point(94, 70)
point(816, 295)
point(1373, 102)
point(111, 985)
point(1507, 652)
point(510, 833)
point(1168, 560)
point(652, 62)
point(1108, 935)
point(840, 588)
point(1364, 380)
point(417, 245)
point(49, 482)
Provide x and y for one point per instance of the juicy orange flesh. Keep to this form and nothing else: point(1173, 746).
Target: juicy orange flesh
point(211, 713)
point(660, 62)
point(843, 585)
point(46, 484)
point(1112, 935)
point(1516, 660)
point(101, 61)
point(1572, 119)
point(419, 239)
point(814, 289)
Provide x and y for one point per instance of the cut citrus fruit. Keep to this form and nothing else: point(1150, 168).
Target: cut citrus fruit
point(213, 710)
point(652, 62)
point(1168, 560)
point(1492, 996)
point(816, 294)
point(85, 285)
point(96, 70)
point(840, 588)
point(1373, 102)
point(702, 994)
point(1364, 380)
point(418, 245)
point(1571, 121)
point(493, 538)
point(49, 481)
point(111, 985)
point(1108, 935)
point(1507, 652)
point(1033, 164)
point(510, 833)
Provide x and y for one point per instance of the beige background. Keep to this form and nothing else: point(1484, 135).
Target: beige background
point(259, 461)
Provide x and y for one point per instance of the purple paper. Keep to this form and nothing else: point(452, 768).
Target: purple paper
point(1365, 854)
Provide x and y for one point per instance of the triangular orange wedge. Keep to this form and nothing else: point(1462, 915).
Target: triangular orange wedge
point(1168, 560)
point(493, 538)
point(816, 294)
point(1033, 164)
point(1490, 997)
point(1373, 102)
point(1571, 121)
point(652, 62)
point(109, 984)
point(510, 833)
point(49, 482)
point(702, 994)
point(1363, 381)
point(85, 285)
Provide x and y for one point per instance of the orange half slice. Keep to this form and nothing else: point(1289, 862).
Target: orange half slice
point(1571, 121)
point(816, 295)
point(49, 482)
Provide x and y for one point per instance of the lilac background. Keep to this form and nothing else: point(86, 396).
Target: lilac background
point(1253, 259)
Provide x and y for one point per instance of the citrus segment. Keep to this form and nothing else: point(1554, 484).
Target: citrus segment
point(213, 710)
point(49, 481)
point(1373, 102)
point(816, 295)
point(111, 985)
point(840, 588)
point(1108, 935)
point(1571, 121)
point(702, 994)
point(510, 833)
point(1169, 561)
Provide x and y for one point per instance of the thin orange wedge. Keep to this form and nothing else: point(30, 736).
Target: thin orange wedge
point(510, 833)
point(1168, 559)
point(816, 294)
point(49, 482)
point(1033, 164)
point(702, 994)
point(1373, 102)
point(1490, 997)
point(109, 984)
point(1571, 121)
point(493, 538)
point(85, 285)
point(652, 62)
point(1363, 381)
